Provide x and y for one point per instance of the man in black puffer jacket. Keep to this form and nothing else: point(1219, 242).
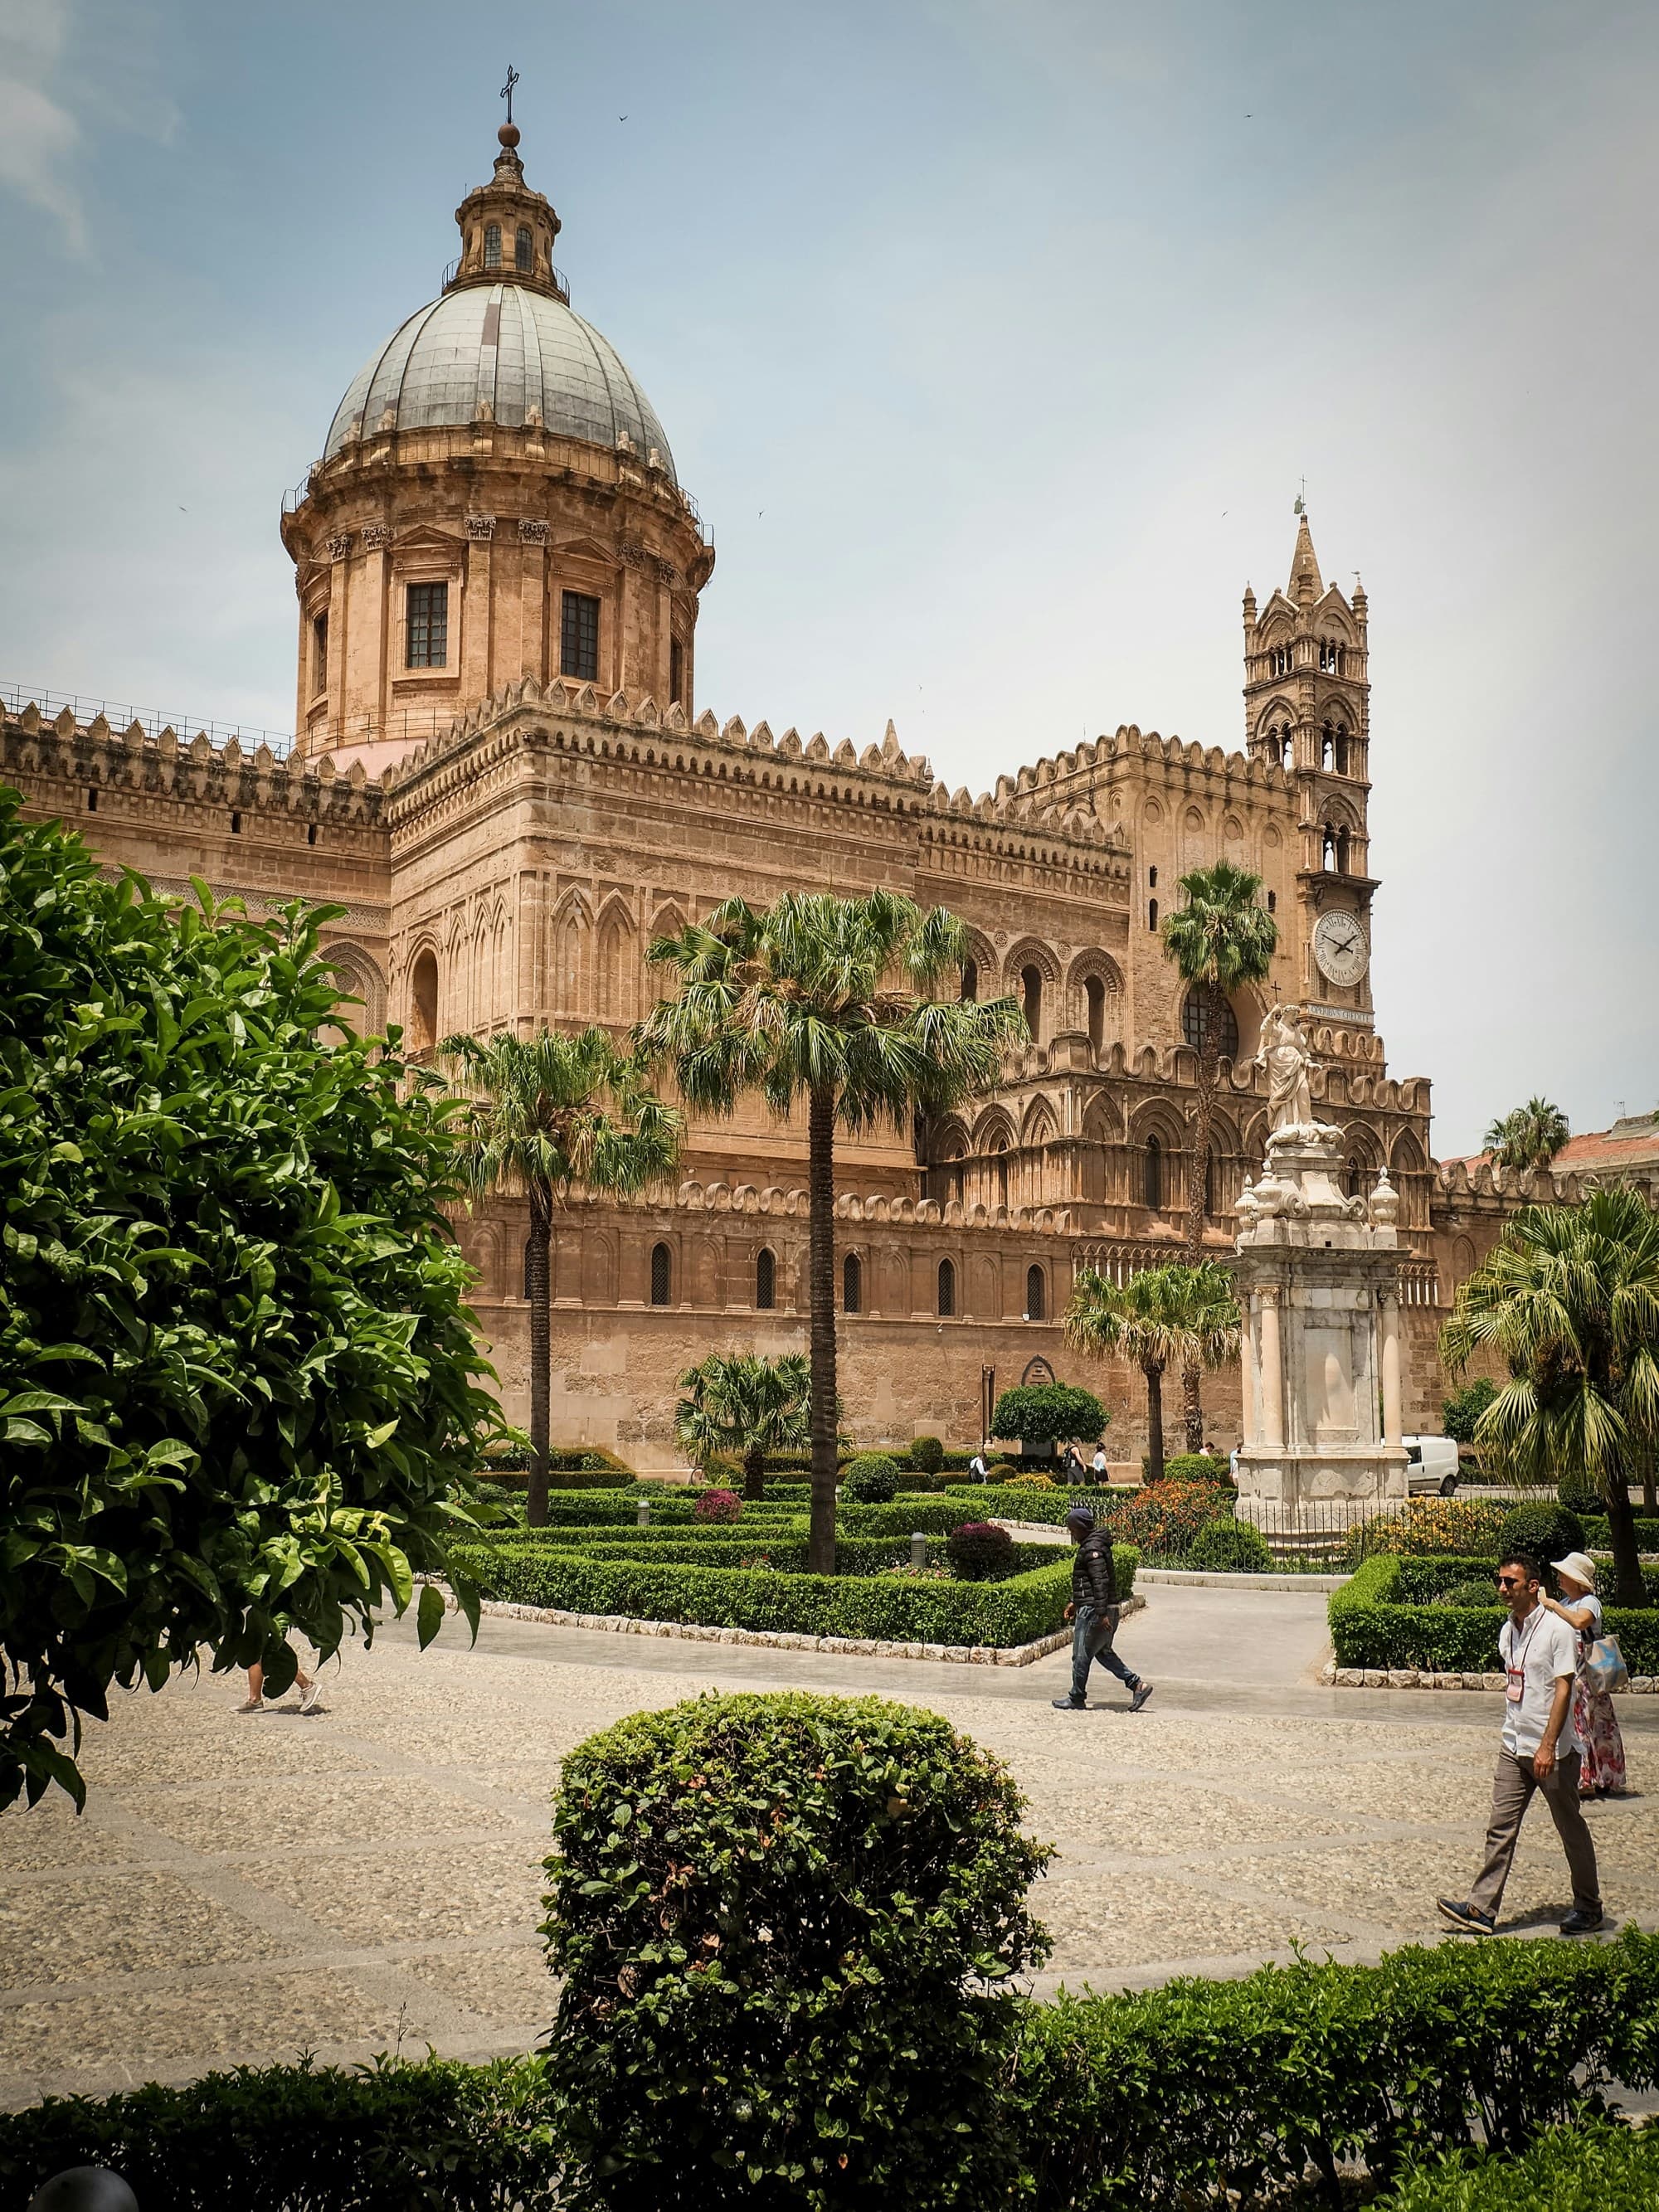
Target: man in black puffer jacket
point(1094, 1608)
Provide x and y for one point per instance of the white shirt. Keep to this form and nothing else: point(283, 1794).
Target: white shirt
point(1098, 1463)
point(1543, 1649)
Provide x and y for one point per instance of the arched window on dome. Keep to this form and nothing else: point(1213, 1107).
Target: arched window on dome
point(524, 249)
point(492, 246)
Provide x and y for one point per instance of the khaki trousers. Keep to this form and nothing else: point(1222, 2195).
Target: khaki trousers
point(1511, 1793)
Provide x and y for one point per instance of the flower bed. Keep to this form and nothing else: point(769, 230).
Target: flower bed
point(872, 1608)
point(1375, 1622)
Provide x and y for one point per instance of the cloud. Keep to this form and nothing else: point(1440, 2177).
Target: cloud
point(38, 138)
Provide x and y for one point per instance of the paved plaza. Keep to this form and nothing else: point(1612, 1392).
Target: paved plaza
point(249, 1889)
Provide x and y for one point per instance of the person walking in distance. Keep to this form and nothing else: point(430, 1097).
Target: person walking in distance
point(1098, 1464)
point(311, 1692)
point(1540, 1653)
point(1094, 1610)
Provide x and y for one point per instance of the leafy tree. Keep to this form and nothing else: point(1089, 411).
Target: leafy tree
point(825, 1001)
point(238, 1378)
point(1161, 1317)
point(1222, 941)
point(1569, 1300)
point(1530, 1137)
point(749, 1406)
point(551, 1113)
point(1460, 1413)
point(1049, 1413)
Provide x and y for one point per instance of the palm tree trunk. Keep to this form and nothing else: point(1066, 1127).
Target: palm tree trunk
point(821, 1327)
point(1154, 1424)
point(1628, 1587)
point(754, 1474)
point(538, 1273)
point(1650, 1458)
point(1198, 1169)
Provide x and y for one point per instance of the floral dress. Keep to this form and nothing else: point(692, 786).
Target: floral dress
point(1602, 1748)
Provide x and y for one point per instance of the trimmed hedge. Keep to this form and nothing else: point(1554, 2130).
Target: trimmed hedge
point(878, 1607)
point(1001, 1502)
point(1184, 2098)
point(1375, 1623)
point(1598, 1535)
point(1607, 2167)
point(303, 2138)
point(1170, 2099)
point(785, 1550)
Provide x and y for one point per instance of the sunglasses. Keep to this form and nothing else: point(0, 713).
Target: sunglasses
point(1512, 1582)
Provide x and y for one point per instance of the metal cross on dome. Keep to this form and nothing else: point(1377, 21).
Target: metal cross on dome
point(507, 89)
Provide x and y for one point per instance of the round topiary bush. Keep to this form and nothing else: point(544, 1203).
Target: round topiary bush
point(1232, 1547)
point(1577, 1494)
point(1543, 1532)
point(872, 1478)
point(784, 1926)
point(718, 1505)
point(980, 1551)
point(928, 1455)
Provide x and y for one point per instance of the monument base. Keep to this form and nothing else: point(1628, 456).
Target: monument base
point(1318, 1276)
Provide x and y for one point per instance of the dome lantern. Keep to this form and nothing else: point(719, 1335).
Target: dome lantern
point(507, 230)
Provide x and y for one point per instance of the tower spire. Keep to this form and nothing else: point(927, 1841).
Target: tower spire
point(1305, 579)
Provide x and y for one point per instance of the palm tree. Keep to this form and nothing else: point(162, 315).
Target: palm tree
point(747, 1404)
point(1530, 1137)
point(1222, 941)
point(1162, 1317)
point(825, 999)
point(551, 1113)
point(1569, 1300)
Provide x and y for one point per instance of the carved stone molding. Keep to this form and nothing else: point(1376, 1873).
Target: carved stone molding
point(635, 555)
point(376, 536)
point(481, 528)
point(533, 533)
point(339, 546)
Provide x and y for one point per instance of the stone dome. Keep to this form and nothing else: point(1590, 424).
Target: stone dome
point(494, 352)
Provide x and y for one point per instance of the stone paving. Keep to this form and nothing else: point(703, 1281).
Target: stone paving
point(248, 1889)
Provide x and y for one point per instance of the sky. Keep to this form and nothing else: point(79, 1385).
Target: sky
point(995, 343)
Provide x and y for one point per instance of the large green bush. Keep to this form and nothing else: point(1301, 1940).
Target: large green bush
point(1232, 1547)
point(1193, 1467)
point(1380, 1618)
point(980, 1551)
point(1608, 2166)
point(1049, 1413)
point(1431, 1526)
point(871, 1480)
point(1460, 1413)
point(784, 1926)
point(1542, 1533)
point(239, 1386)
point(927, 1456)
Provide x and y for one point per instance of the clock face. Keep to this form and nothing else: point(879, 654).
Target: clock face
point(1340, 947)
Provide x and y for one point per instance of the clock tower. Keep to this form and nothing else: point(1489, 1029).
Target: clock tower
point(1307, 710)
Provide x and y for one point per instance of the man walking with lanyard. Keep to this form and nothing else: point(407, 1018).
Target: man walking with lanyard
point(1094, 1607)
point(1540, 1657)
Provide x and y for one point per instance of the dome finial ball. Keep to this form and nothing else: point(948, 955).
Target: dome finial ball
point(509, 134)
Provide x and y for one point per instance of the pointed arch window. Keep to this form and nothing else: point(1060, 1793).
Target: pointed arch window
point(1095, 992)
point(1030, 987)
point(1151, 914)
point(1327, 749)
point(423, 994)
point(947, 1289)
point(492, 246)
point(1037, 1295)
point(852, 1284)
point(969, 981)
point(1152, 1174)
point(662, 1275)
point(766, 1279)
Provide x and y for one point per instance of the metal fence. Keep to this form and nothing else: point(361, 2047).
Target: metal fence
point(15, 697)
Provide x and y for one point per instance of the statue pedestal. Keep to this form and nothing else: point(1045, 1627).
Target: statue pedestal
point(1318, 1276)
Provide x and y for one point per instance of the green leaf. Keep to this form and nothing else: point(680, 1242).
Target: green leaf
point(429, 1619)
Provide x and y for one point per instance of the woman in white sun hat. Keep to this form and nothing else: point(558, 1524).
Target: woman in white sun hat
point(1601, 1765)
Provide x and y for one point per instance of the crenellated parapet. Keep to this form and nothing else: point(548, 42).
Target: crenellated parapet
point(95, 758)
point(1039, 783)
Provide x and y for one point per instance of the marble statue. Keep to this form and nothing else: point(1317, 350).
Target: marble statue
point(1284, 1053)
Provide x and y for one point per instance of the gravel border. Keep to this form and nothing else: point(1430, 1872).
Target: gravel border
point(778, 1639)
point(1411, 1678)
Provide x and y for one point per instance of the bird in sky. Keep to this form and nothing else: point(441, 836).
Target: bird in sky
point(622, 119)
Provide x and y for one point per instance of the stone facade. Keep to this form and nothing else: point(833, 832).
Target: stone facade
point(506, 834)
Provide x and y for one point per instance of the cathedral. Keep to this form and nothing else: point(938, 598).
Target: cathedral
point(500, 774)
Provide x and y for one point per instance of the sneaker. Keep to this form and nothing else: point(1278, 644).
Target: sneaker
point(1142, 1692)
point(1466, 1917)
point(253, 1705)
point(311, 1697)
point(1580, 1922)
point(1068, 1704)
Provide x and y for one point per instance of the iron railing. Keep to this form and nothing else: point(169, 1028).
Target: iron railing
point(15, 697)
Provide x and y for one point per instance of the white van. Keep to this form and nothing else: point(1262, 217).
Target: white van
point(1430, 1466)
